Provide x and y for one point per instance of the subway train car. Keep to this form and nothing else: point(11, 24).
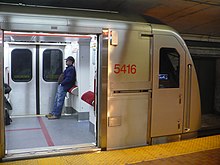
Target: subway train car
point(136, 82)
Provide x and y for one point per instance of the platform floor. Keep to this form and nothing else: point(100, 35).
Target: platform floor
point(199, 151)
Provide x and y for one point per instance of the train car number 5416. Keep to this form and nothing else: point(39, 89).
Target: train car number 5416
point(126, 69)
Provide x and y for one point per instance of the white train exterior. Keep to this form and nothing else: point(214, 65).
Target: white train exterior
point(145, 86)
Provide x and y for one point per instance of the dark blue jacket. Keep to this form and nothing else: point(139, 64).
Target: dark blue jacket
point(69, 77)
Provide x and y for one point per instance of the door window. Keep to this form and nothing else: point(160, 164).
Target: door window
point(169, 68)
point(52, 64)
point(21, 65)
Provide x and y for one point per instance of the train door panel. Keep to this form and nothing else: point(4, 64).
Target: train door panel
point(22, 79)
point(168, 86)
point(51, 66)
point(34, 71)
point(129, 82)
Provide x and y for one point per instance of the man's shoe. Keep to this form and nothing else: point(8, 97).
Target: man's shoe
point(53, 117)
point(49, 115)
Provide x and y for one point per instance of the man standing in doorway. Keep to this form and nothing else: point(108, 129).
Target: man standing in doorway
point(68, 80)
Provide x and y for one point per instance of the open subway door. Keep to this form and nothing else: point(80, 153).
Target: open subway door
point(168, 87)
point(2, 133)
point(128, 87)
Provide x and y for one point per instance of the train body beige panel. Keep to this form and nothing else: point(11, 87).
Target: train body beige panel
point(129, 61)
point(167, 102)
point(129, 75)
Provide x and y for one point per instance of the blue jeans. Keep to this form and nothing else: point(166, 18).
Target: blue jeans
point(59, 101)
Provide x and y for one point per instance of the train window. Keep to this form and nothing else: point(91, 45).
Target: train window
point(21, 65)
point(52, 64)
point(169, 68)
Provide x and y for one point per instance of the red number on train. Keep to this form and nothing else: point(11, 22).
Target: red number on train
point(123, 69)
point(117, 68)
point(129, 69)
point(133, 69)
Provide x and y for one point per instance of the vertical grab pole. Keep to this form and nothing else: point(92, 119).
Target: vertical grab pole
point(2, 125)
point(188, 99)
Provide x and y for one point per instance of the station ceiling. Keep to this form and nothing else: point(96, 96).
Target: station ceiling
point(188, 17)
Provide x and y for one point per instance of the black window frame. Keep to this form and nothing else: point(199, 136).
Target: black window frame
point(17, 60)
point(169, 68)
point(52, 77)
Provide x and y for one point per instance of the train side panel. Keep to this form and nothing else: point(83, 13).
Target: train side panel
point(181, 118)
point(129, 70)
point(168, 86)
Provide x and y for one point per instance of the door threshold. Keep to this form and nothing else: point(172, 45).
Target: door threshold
point(21, 154)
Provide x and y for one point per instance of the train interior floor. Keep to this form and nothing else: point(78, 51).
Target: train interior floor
point(38, 132)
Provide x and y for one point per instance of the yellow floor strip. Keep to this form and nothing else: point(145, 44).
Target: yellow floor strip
point(129, 156)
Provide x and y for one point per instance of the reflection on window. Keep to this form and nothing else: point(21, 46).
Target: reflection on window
point(169, 68)
point(21, 65)
point(52, 64)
